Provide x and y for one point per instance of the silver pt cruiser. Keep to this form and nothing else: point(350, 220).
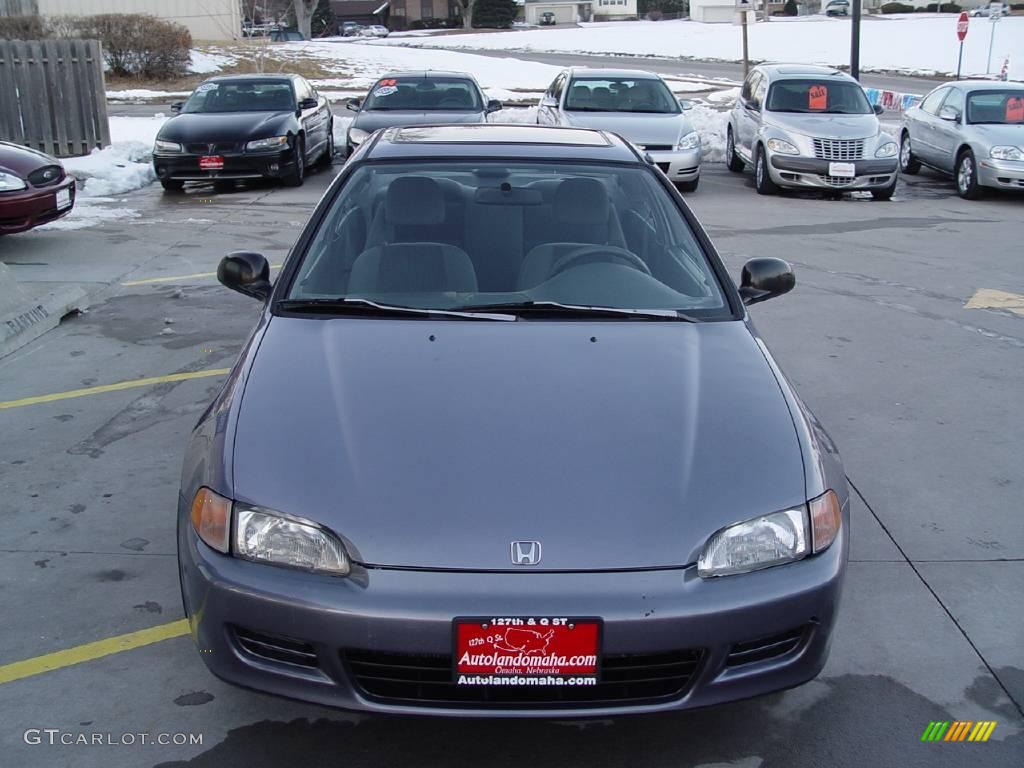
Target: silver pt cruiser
point(810, 127)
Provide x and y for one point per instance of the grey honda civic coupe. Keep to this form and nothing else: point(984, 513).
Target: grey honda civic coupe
point(505, 442)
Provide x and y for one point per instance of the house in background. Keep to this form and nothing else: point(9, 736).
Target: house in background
point(571, 11)
point(204, 19)
point(396, 14)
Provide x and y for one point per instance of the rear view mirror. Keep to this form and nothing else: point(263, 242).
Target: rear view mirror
point(685, 104)
point(949, 113)
point(765, 278)
point(245, 272)
point(176, 106)
point(549, 101)
point(353, 104)
point(878, 108)
point(493, 105)
point(309, 104)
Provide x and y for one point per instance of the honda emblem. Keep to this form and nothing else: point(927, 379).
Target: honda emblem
point(525, 552)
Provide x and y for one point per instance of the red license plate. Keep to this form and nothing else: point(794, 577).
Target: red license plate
point(211, 162)
point(527, 650)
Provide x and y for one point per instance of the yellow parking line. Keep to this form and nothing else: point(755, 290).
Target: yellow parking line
point(90, 651)
point(175, 278)
point(111, 387)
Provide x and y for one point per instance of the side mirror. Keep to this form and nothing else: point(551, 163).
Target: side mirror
point(550, 102)
point(309, 104)
point(245, 272)
point(176, 106)
point(493, 106)
point(878, 108)
point(949, 113)
point(765, 278)
point(685, 104)
point(353, 104)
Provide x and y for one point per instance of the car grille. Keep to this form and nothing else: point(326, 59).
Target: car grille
point(764, 647)
point(275, 648)
point(211, 148)
point(48, 174)
point(839, 149)
point(426, 680)
point(837, 181)
point(657, 147)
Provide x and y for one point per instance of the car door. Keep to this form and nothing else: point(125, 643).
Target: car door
point(748, 116)
point(314, 119)
point(948, 131)
point(549, 111)
point(923, 141)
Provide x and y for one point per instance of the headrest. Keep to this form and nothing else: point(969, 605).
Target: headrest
point(414, 201)
point(581, 201)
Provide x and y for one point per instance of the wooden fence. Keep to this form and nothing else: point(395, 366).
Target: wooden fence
point(52, 95)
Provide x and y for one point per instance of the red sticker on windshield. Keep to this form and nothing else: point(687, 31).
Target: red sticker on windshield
point(388, 82)
point(1015, 109)
point(817, 98)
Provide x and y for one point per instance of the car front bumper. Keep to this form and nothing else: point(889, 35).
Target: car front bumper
point(32, 207)
point(795, 172)
point(678, 165)
point(386, 614)
point(1001, 174)
point(237, 165)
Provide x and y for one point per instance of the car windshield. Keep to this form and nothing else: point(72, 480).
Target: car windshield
point(620, 94)
point(453, 236)
point(817, 97)
point(241, 96)
point(432, 94)
point(999, 107)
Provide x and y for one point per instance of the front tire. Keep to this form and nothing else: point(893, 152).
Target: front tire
point(688, 186)
point(172, 185)
point(298, 173)
point(732, 160)
point(908, 163)
point(885, 193)
point(762, 179)
point(327, 159)
point(967, 176)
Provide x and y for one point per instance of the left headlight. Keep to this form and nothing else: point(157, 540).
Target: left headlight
point(1006, 153)
point(271, 537)
point(166, 146)
point(11, 183)
point(782, 147)
point(274, 142)
point(753, 544)
point(689, 141)
point(889, 149)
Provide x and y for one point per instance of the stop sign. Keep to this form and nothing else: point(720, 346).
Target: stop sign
point(961, 26)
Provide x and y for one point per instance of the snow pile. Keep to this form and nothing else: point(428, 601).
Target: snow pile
point(125, 165)
point(710, 124)
point(208, 62)
point(87, 213)
point(917, 44)
point(135, 94)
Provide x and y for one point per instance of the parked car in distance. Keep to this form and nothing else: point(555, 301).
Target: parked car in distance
point(350, 28)
point(548, 467)
point(34, 189)
point(374, 30)
point(806, 127)
point(636, 105)
point(418, 98)
point(547, 18)
point(245, 127)
point(972, 129)
point(286, 36)
point(838, 8)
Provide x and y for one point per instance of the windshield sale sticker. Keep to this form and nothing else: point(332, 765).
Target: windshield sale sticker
point(817, 98)
point(206, 87)
point(1015, 110)
point(526, 651)
point(386, 90)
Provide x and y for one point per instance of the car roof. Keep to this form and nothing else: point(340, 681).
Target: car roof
point(970, 85)
point(636, 74)
point(793, 71)
point(515, 142)
point(271, 77)
point(424, 73)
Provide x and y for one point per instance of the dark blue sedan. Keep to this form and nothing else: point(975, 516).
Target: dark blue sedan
point(506, 443)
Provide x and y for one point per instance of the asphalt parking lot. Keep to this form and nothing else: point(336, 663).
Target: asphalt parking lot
point(921, 392)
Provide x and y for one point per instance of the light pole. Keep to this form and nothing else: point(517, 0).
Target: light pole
point(855, 41)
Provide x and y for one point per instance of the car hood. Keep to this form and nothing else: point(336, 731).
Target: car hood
point(824, 126)
point(437, 444)
point(996, 135)
point(23, 160)
point(224, 126)
point(377, 119)
point(639, 128)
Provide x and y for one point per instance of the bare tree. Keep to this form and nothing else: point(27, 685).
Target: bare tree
point(467, 12)
point(304, 16)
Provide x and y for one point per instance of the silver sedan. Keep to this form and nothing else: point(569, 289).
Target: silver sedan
point(973, 129)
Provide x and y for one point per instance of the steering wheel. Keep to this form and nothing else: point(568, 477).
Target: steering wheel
point(590, 254)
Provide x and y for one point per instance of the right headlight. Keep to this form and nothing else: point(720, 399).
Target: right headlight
point(781, 537)
point(11, 183)
point(1006, 153)
point(689, 141)
point(167, 146)
point(357, 135)
point(782, 146)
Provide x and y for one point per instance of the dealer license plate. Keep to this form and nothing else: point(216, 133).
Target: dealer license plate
point(527, 650)
point(63, 199)
point(211, 162)
point(843, 170)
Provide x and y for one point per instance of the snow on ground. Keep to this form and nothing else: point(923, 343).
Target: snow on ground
point(207, 62)
point(912, 43)
point(125, 165)
point(88, 213)
point(139, 94)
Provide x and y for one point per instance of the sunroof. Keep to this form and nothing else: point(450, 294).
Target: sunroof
point(499, 134)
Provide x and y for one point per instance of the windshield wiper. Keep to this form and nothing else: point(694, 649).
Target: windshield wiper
point(557, 309)
point(365, 307)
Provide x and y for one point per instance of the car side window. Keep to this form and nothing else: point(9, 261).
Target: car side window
point(558, 86)
point(933, 100)
point(760, 89)
point(748, 87)
point(955, 99)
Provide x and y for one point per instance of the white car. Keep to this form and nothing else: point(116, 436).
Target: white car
point(374, 30)
point(636, 105)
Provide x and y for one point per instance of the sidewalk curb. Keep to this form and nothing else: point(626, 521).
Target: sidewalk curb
point(26, 319)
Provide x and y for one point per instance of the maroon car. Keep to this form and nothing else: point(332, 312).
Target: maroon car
point(34, 188)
